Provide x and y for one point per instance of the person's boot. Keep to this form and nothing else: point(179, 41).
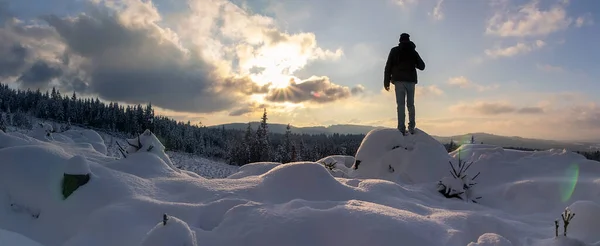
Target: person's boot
point(411, 130)
point(403, 131)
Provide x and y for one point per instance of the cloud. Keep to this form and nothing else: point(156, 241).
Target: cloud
point(405, 3)
point(39, 74)
point(26, 48)
point(246, 109)
point(493, 108)
point(519, 48)
point(549, 68)
point(584, 116)
point(315, 89)
point(437, 13)
point(528, 20)
point(358, 89)
point(463, 82)
point(428, 90)
point(216, 56)
point(584, 20)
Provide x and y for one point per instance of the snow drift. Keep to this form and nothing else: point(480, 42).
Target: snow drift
point(387, 197)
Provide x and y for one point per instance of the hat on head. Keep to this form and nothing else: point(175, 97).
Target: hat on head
point(404, 37)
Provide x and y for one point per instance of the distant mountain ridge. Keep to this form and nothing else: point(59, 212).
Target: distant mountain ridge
point(504, 141)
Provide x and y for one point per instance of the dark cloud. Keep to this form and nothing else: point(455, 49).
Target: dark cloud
point(39, 74)
point(315, 89)
point(13, 58)
point(531, 110)
point(20, 47)
point(138, 65)
point(245, 85)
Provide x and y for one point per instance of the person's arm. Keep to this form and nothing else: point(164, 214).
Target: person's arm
point(420, 63)
point(387, 74)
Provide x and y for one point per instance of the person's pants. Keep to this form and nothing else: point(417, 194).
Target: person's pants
point(405, 90)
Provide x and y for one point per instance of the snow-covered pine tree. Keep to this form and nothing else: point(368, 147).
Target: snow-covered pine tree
point(288, 143)
point(249, 143)
point(262, 137)
point(2, 123)
point(294, 154)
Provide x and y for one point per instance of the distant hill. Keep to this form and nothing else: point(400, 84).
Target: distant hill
point(515, 141)
point(280, 128)
point(504, 141)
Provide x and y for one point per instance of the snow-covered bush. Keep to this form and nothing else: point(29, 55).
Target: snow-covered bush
point(146, 142)
point(460, 184)
point(43, 131)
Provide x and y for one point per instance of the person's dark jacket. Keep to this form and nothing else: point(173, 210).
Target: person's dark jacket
point(402, 63)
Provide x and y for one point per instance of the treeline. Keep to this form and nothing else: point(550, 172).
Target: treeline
point(233, 146)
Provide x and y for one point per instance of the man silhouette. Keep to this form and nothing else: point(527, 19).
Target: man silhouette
point(400, 70)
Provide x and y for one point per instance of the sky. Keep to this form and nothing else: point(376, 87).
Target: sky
point(510, 67)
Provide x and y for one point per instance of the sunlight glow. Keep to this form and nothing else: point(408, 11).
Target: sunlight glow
point(274, 64)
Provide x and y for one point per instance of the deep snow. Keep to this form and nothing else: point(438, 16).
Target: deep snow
point(388, 196)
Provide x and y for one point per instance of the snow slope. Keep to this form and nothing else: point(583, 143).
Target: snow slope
point(389, 198)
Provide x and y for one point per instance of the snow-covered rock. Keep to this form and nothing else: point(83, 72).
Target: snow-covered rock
point(387, 154)
point(77, 165)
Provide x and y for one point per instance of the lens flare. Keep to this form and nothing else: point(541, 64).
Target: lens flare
point(567, 188)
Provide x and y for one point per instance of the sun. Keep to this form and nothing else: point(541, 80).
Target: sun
point(274, 65)
point(276, 80)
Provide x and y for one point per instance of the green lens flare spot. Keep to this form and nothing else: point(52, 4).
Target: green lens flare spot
point(567, 188)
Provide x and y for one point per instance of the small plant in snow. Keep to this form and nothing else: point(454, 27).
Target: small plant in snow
point(460, 184)
point(165, 218)
point(330, 165)
point(567, 216)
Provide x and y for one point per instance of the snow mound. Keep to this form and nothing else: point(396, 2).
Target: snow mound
point(387, 154)
point(585, 226)
point(12, 139)
point(562, 241)
point(491, 239)
point(299, 203)
point(11, 238)
point(172, 231)
point(478, 152)
point(253, 169)
point(85, 136)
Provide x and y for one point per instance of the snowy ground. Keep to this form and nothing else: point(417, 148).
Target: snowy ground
point(386, 195)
